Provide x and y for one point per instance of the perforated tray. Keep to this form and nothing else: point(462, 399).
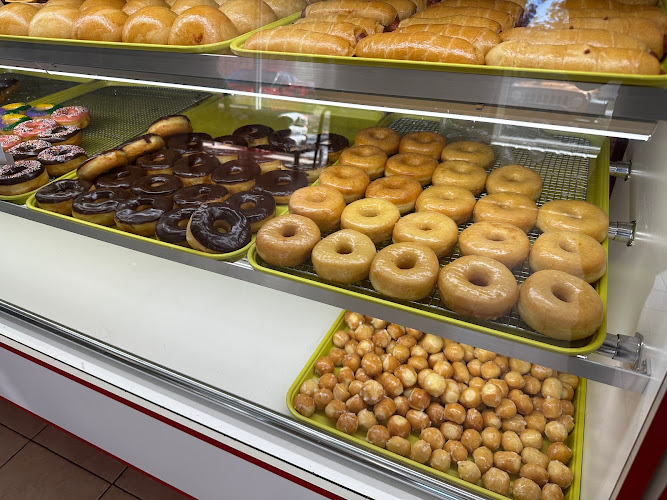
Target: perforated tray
point(34, 87)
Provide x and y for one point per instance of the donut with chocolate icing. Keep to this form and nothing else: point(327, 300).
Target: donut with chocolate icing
point(62, 135)
point(59, 160)
point(203, 229)
point(255, 134)
point(28, 150)
point(188, 143)
point(171, 125)
point(98, 206)
point(196, 168)
point(22, 177)
point(331, 144)
point(172, 226)
point(281, 184)
point(159, 162)
point(288, 140)
point(236, 175)
point(267, 156)
point(226, 147)
point(193, 196)
point(58, 196)
point(156, 185)
point(257, 207)
point(140, 215)
point(101, 163)
point(142, 145)
point(120, 178)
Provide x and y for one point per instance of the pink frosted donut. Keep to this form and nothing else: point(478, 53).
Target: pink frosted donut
point(32, 129)
point(77, 116)
point(9, 141)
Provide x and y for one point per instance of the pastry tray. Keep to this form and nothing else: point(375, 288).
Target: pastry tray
point(574, 441)
point(566, 176)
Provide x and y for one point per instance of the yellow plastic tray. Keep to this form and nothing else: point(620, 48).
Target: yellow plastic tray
point(238, 48)
point(597, 193)
point(575, 440)
point(211, 48)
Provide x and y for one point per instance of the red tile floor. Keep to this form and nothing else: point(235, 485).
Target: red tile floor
point(41, 462)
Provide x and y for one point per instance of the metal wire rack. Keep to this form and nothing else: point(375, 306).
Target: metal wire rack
point(33, 87)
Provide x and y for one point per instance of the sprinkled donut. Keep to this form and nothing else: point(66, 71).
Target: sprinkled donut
point(77, 116)
point(59, 160)
point(22, 177)
point(31, 129)
point(63, 135)
point(9, 141)
point(29, 150)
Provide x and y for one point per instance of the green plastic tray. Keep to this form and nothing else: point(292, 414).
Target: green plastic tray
point(575, 440)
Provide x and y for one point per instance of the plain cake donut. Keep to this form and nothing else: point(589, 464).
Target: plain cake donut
point(477, 286)
point(559, 305)
point(515, 179)
point(373, 217)
point(435, 230)
point(573, 215)
point(372, 159)
point(401, 190)
point(424, 143)
point(574, 253)
point(415, 165)
point(452, 201)
point(322, 204)
point(515, 209)
point(287, 240)
point(500, 241)
point(474, 152)
point(382, 137)
point(344, 256)
point(461, 174)
point(349, 181)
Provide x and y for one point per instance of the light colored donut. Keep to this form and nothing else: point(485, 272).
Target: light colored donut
point(349, 181)
point(574, 253)
point(573, 215)
point(401, 190)
point(436, 231)
point(344, 256)
point(369, 158)
point(515, 179)
point(406, 271)
point(560, 305)
point(373, 217)
point(424, 143)
point(321, 204)
point(415, 165)
point(474, 152)
point(382, 137)
point(452, 201)
point(287, 240)
point(477, 286)
point(515, 209)
point(503, 242)
point(462, 174)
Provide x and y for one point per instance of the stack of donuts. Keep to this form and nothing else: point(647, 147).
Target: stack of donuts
point(44, 141)
point(498, 422)
point(583, 35)
point(370, 209)
point(173, 22)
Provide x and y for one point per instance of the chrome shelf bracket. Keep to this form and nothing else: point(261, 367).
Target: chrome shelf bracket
point(623, 232)
point(620, 169)
point(626, 349)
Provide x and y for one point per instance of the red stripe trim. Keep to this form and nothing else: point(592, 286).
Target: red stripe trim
point(176, 425)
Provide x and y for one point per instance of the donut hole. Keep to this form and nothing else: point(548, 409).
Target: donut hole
point(567, 246)
point(344, 248)
point(515, 177)
point(141, 208)
point(479, 279)
point(182, 222)
point(495, 237)
point(288, 231)
point(248, 205)
point(318, 197)
point(369, 211)
point(101, 200)
point(406, 262)
point(282, 183)
point(561, 292)
point(221, 226)
point(445, 197)
point(157, 184)
point(425, 226)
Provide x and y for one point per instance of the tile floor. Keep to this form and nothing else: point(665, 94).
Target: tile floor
point(40, 462)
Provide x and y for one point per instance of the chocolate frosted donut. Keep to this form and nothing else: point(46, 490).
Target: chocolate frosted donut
point(195, 168)
point(255, 134)
point(119, 178)
point(22, 177)
point(59, 160)
point(231, 140)
point(257, 207)
point(281, 184)
point(226, 147)
point(59, 195)
point(171, 228)
point(331, 144)
point(270, 157)
point(28, 150)
point(287, 140)
point(156, 185)
point(141, 214)
point(62, 135)
point(187, 143)
point(203, 229)
point(160, 162)
point(99, 206)
point(193, 196)
point(236, 175)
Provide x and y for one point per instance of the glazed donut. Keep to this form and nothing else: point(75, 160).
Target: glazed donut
point(22, 177)
point(63, 135)
point(479, 287)
point(31, 129)
point(401, 190)
point(171, 125)
point(160, 162)
point(515, 179)
point(574, 253)
point(195, 195)
point(455, 202)
point(202, 230)
point(59, 160)
point(436, 231)
point(473, 152)
point(156, 185)
point(28, 150)
point(322, 204)
point(500, 241)
point(287, 240)
point(72, 116)
point(255, 134)
point(344, 256)
point(236, 175)
point(196, 169)
point(372, 159)
point(461, 174)
point(415, 165)
point(423, 143)
point(373, 217)
point(382, 137)
point(187, 144)
point(140, 215)
point(9, 141)
point(560, 305)
point(515, 209)
point(58, 196)
point(573, 215)
point(331, 145)
point(351, 182)
point(101, 163)
point(258, 208)
point(119, 178)
point(281, 184)
point(148, 24)
point(201, 25)
point(405, 271)
point(98, 206)
point(172, 226)
point(140, 146)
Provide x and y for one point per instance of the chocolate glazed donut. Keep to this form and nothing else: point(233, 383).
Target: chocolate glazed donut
point(331, 144)
point(171, 228)
point(160, 162)
point(193, 196)
point(288, 140)
point(203, 229)
point(121, 178)
point(280, 184)
point(236, 175)
point(99, 206)
point(141, 214)
point(187, 143)
point(232, 140)
point(28, 150)
point(195, 168)
point(257, 207)
point(60, 191)
point(156, 185)
point(255, 134)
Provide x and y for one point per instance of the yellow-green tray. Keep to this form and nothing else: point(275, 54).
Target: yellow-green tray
point(211, 48)
point(575, 440)
point(597, 192)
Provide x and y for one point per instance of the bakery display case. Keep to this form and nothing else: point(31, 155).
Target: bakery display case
point(206, 323)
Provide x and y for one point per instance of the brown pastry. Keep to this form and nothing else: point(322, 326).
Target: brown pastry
point(248, 15)
point(54, 22)
point(200, 26)
point(15, 18)
point(104, 25)
point(149, 25)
